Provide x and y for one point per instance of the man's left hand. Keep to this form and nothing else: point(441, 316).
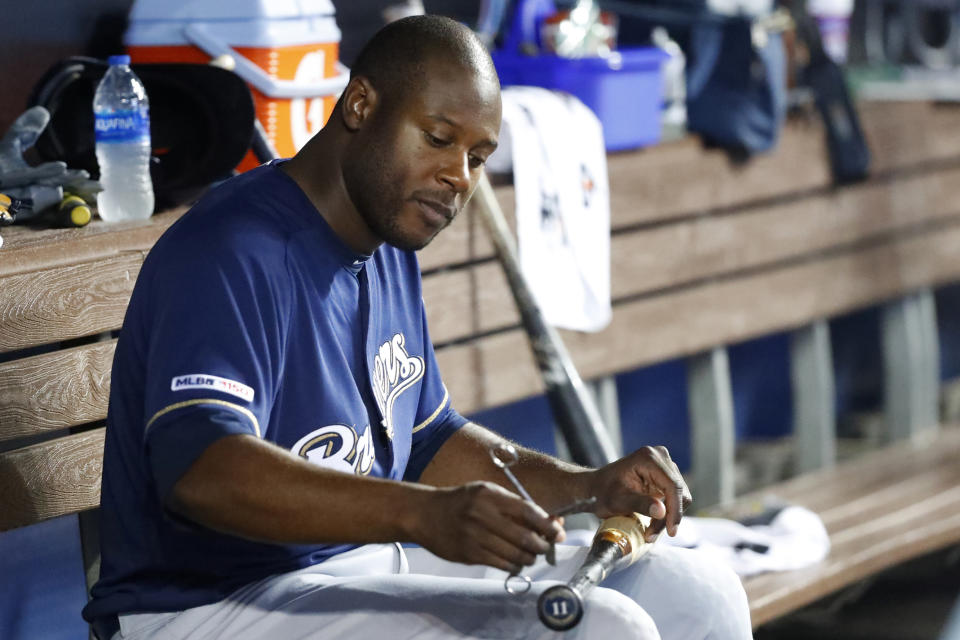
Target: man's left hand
point(648, 482)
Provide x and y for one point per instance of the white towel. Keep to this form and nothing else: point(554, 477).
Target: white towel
point(555, 145)
point(792, 539)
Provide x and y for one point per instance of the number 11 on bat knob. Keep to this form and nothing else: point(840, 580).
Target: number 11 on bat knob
point(560, 607)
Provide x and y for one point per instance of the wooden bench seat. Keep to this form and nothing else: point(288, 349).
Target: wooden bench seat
point(704, 255)
point(880, 509)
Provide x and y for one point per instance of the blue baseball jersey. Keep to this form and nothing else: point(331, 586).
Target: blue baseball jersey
point(250, 316)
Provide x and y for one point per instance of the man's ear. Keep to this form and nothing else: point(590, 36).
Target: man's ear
point(359, 101)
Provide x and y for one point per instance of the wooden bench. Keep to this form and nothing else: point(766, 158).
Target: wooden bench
point(704, 255)
point(881, 509)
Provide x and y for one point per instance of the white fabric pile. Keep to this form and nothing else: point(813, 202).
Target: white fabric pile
point(793, 538)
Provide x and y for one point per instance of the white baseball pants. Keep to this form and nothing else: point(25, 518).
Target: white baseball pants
point(381, 592)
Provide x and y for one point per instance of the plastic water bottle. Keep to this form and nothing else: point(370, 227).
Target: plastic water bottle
point(122, 120)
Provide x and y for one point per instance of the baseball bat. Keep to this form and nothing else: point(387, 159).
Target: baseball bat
point(572, 406)
point(617, 544)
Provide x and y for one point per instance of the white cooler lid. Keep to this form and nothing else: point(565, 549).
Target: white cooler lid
point(228, 9)
point(239, 23)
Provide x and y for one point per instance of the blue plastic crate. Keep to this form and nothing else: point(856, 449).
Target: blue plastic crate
point(624, 90)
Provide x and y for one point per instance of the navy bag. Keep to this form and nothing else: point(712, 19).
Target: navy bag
point(736, 89)
point(736, 92)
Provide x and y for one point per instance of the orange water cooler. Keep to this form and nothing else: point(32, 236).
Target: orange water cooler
point(286, 50)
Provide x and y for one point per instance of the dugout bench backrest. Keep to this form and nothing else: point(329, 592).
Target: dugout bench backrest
point(704, 255)
point(62, 295)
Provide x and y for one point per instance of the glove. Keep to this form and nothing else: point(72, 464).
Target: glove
point(41, 185)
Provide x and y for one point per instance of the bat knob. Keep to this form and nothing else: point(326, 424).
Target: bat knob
point(560, 607)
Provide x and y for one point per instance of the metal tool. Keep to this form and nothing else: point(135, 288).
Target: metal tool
point(575, 507)
point(523, 584)
point(504, 456)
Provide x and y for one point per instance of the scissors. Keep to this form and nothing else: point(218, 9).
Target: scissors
point(504, 456)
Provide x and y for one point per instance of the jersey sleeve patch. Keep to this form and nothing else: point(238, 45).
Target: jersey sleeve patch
point(215, 383)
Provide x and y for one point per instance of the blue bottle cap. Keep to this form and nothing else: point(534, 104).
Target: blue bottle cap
point(121, 59)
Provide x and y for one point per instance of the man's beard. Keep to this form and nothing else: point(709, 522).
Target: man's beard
point(380, 202)
point(387, 227)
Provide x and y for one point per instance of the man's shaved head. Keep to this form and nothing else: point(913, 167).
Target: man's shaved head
point(406, 144)
point(396, 60)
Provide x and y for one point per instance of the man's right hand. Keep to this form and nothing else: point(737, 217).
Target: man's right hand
point(482, 523)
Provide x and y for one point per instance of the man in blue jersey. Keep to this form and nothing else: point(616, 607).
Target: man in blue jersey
point(277, 421)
